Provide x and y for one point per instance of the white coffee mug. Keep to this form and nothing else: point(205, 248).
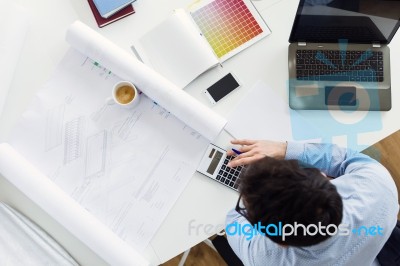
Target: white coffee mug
point(125, 94)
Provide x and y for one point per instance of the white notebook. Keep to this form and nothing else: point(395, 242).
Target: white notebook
point(176, 50)
point(188, 43)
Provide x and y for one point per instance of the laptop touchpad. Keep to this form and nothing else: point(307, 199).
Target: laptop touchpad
point(340, 95)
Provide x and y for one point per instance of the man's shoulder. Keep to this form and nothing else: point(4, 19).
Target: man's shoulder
point(373, 183)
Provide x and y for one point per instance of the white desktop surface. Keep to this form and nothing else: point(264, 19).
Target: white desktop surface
point(203, 201)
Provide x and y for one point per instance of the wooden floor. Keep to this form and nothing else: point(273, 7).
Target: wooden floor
point(386, 151)
point(199, 255)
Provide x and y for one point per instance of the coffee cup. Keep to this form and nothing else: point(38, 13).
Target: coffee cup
point(125, 94)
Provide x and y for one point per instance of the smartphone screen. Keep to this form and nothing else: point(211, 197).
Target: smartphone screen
point(222, 87)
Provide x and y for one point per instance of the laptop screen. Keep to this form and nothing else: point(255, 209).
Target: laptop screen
point(353, 21)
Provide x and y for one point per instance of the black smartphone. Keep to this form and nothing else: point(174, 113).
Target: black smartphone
point(221, 88)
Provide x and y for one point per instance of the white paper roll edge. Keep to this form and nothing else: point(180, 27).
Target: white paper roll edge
point(67, 212)
point(190, 111)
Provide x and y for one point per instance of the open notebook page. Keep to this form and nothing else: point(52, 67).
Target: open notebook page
point(176, 49)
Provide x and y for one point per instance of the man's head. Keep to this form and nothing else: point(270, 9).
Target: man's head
point(276, 191)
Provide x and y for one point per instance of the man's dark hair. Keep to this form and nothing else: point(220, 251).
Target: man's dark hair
point(284, 191)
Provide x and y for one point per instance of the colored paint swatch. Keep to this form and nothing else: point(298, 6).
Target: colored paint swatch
point(227, 25)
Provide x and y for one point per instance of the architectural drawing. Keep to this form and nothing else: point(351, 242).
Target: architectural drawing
point(125, 166)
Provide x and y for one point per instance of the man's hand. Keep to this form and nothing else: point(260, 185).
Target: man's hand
point(253, 150)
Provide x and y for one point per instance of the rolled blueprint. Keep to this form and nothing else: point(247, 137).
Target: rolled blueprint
point(165, 93)
point(63, 209)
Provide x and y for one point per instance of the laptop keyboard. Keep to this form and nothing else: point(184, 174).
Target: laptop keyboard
point(333, 65)
point(229, 176)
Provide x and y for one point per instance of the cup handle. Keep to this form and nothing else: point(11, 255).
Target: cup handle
point(110, 101)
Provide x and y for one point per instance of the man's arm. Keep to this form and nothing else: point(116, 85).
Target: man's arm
point(331, 159)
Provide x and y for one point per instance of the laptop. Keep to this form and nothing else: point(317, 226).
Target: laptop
point(338, 54)
point(214, 165)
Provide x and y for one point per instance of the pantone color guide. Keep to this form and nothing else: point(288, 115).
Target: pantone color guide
point(230, 26)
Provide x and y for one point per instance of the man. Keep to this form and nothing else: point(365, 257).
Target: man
point(350, 192)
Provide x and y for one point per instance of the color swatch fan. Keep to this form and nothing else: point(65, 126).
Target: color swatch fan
point(230, 26)
point(188, 43)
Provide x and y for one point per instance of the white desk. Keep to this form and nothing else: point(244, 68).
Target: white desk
point(203, 201)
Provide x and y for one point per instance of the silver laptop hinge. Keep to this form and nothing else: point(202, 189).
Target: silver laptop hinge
point(301, 44)
point(376, 45)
